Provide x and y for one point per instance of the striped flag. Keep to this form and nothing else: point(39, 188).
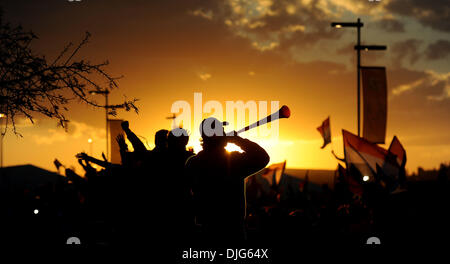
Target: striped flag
point(267, 180)
point(368, 158)
point(274, 172)
point(397, 149)
point(325, 131)
point(399, 155)
point(362, 154)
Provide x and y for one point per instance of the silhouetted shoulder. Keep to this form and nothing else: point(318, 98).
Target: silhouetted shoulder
point(191, 160)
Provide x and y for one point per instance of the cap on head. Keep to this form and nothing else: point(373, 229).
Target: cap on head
point(178, 137)
point(211, 127)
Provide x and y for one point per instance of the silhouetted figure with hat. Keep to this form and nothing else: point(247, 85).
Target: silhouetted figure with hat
point(218, 181)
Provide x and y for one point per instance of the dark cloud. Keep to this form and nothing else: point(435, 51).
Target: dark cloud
point(391, 25)
point(280, 24)
point(421, 98)
point(367, 58)
point(435, 14)
point(401, 76)
point(438, 50)
point(421, 86)
point(406, 50)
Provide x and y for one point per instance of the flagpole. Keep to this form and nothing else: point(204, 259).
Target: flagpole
point(107, 128)
point(2, 135)
point(358, 85)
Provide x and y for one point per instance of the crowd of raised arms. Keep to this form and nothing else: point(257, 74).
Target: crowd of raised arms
point(173, 196)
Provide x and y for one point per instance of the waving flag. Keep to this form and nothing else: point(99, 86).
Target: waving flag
point(267, 181)
point(368, 158)
point(274, 172)
point(397, 149)
point(57, 164)
point(325, 131)
point(362, 154)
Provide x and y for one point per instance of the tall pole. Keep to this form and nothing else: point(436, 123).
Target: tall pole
point(1, 139)
point(358, 48)
point(106, 114)
point(1, 145)
point(358, 82)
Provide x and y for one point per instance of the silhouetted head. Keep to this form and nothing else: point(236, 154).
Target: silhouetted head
point(213, 134)
point(178, 139)
point(161, 139)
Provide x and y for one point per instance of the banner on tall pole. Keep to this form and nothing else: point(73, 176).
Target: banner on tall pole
point(375, 103)
point(114, 130)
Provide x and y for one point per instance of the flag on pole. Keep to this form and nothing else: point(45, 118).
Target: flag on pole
point(57, 164)
point(274, 172)
point(375, 103)
point(397, 154)
point(362, 154)
point(325, 131)
point(368, 158)
point(397, 149)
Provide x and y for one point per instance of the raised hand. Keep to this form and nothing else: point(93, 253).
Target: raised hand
point(125, 125)
point(82, 156)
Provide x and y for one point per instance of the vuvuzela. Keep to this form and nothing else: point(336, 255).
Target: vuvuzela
point(284, 112)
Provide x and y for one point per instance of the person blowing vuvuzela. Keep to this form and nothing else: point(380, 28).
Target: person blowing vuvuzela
point(218, 181)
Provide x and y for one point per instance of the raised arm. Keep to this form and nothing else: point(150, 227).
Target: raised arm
point(89, 170)
point(86, 157)
point(135, 141)
point(252, 160)
point(123, 148)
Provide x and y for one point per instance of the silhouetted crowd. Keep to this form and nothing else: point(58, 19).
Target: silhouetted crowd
point(171, 196)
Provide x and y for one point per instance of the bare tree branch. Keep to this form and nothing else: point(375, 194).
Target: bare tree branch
point(30, 85)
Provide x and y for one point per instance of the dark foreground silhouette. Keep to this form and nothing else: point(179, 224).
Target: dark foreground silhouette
point(169, 198)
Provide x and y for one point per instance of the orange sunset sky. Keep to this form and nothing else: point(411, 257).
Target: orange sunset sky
point(260, 50)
